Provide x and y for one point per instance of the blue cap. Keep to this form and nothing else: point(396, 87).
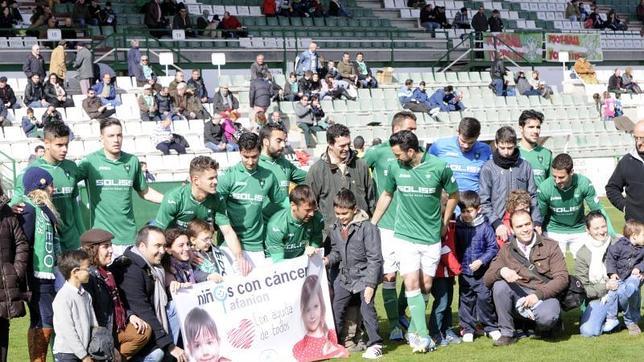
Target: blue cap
point(36, 178)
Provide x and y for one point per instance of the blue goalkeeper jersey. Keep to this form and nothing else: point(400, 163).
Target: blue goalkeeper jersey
point(465, 166)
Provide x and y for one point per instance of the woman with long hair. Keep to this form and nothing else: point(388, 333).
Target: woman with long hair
point(39, 221)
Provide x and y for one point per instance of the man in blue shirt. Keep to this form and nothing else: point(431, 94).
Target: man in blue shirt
point(464, 154)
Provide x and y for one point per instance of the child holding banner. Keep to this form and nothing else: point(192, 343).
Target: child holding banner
point(355, 248)
point(208, 257)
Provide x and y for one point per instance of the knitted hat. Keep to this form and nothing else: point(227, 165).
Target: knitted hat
point(36, 178)
point(95, 236)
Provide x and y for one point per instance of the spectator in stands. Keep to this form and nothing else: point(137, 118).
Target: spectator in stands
point(106, 91)
point(260, 95)
point(197, 85)
point(55, 94)
point(639, 11)
point(148, 108)
point(31, 125)
point(5, 121)
point(178, 78)
point(38, 19)
point(259, 68)
point(627, 178)
point(523, 86)
point(608, 107)
point(107, 16)
point(291, 90)
point(307, 121)
point(495, 186)
point(94, 10)
point(133, 58)
point(334, 89)
point(164, 102)
point(495, 22)
point(406, 93)
point(57, 63)
point(143, 71)
point(35, 63)
point(615, 82)
point(166, 139)
point(231, 26)
point(419, 101)
point(358, 145)
point(480, 25)
point(336, 8)
point(441, 18)
point(365, 77)
point(84, 64)
point(614, 23)
point(202, 22)
point(67, 31)
point(212, 29)
point(544, 90)
point(95, 108)
point(39, 151)
point(269, 8)
point(149, 176)
point(594, 20)
point(516, 291)
point(308, 60)
point(461, 20)
point(276, 117)
point(35, 93)
point(181, 21)
point(214, 136)
point(7, 96)
point(347, 70)
point(140, 284)
point(572, 11)
point(428, 18)
point(497, 74)
point(154, 19)
point(446, 100)
point(169, 8)
point(7, 21)
point(80, 13)
point(305, 82)
point(224, 100)
point(51, 115)
point(628, 83)
point(329, 69)
point(187, 104)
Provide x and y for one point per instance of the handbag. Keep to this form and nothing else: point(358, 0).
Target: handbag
point(101, 346)
point(572, 297)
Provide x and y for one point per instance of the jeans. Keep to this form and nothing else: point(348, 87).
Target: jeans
point(440, 319)
point(174, 324)
point(165, 147)
point(371, 83)
point(41, 312)
point(341, 299)
point(222, 147)
point(309, 131)
point(36, 104)
point(599, 310)
point(475, 304)
point(110, 102)
point(497, 84)
point(155, 356)
point(66, 357)
point(532, 92)
point(430, 25)
point(573, 18)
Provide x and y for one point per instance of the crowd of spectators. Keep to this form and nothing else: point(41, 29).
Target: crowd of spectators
point(303, 8)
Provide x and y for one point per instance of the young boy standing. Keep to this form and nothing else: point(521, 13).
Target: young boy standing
point(475, 248)
point(355, 246)
point(73, 313)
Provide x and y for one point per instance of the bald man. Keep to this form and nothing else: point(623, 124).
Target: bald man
point(629, 176)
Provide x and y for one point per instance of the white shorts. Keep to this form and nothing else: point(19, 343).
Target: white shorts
point(389, 251)
point(576, 241)
point(414, 257)
point(257, 259)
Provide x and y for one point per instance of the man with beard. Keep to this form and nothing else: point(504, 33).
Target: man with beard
point(629, 176)
point(378, 159)
point(539, 157)
point(297, 230)
point(418, 179)
point(464, 154)
point(506, 171)
point(273, 139)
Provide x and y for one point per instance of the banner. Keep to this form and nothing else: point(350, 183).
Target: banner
point(277, 313)
point(582, 45)
point(527, 45)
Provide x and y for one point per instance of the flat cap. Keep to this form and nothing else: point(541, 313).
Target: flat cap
point(95, 236)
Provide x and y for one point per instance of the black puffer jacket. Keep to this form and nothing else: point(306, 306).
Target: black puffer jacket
point(14, 256)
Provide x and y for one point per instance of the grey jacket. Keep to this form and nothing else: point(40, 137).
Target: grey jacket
point(582, 269)
point(84, 64)
point(496, 184)
point(304, 114)
point(326, 179)
point(34, 65)
point(359, 257)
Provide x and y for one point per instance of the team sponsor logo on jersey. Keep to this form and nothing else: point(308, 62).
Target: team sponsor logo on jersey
point(417, 189)
point(240, 183)
point(66, 190)
point(451, 154)
point(104, 168)
point(464, 168)
point(172, 202)
point(404, 175)
point(565, 210)
point(247, 197)
point(110, 182)
point(537, 172)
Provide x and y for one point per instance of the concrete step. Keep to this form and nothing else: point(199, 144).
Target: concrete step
point(411, 24)
point(369, 4)
point(387, 13)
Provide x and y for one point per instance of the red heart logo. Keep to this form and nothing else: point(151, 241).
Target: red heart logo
point(242, 336)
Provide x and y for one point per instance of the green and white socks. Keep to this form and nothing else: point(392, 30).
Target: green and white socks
point(390, 299)
point(417, 306)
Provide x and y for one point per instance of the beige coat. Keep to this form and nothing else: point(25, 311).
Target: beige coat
point(57, 62)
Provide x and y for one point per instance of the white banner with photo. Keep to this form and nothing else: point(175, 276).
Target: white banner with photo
point(280, 312)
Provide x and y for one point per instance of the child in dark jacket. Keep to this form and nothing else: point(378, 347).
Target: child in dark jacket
point(625, 264)
point(355, 247)
point(475, 247)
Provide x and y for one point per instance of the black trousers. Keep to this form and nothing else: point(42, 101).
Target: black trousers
point(4, 339)
point(341, 299)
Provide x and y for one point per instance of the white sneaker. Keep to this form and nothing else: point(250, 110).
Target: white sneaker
point(396, 334)
point(495, 335)
point(412, 339)
point(434, 111)
point(468, 338)
point(609, 325)
point(373, 352)
point(425, 344)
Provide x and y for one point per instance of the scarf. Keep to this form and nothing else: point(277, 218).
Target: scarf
point(147, 71)
point(506, 162)
point(597, 269)
point(107, 89)
point(182, 271)
point(45, 246)
point(120, 319)
point(60, 92)
point(213, 261)
point(160, 298)
point(362, 67)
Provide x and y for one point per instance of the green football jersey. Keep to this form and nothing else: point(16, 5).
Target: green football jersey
point(287, 238)
point(244, 193)
point(285, 172)
point(66, 176)
point(540, 159)
point(563, 210)
point(378, 159)
point(179, 207)
point(419, 189)
point(109, 184)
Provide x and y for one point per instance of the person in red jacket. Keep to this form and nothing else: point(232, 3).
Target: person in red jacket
point(440, 319)
point(230, 22)
point(269, 7)
point(518, 200)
